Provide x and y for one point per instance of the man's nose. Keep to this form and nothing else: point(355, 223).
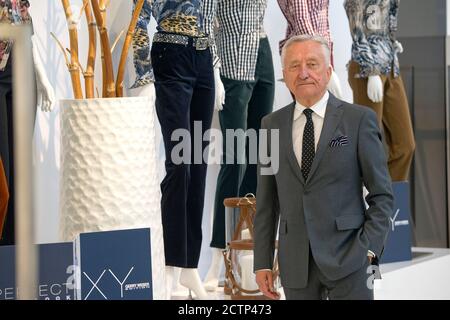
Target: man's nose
point(303, 73)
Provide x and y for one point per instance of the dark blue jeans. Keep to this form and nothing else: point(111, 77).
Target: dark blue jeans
point(184, 94)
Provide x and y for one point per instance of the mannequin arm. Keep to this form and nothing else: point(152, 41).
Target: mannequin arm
point(141, 47)
point(375, 89)
point(45, 92)
point(334, 86)
point(220, 90)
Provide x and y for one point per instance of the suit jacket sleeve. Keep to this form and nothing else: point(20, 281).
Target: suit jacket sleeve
point(376, 178)
point(267, 211)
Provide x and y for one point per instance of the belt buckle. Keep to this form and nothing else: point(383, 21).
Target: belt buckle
point(201, 43)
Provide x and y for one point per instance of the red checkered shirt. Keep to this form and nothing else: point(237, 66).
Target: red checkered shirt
point(306, 17)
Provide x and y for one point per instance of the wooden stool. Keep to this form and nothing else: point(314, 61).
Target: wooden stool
point(247, 208)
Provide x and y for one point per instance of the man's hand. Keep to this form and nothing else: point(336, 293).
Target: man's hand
point(264, 279)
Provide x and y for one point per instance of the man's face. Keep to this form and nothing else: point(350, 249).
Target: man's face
point(306, 71)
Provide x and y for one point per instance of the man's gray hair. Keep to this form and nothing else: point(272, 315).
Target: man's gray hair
point(306, 37)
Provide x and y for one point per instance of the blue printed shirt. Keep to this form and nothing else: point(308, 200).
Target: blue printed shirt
point(373, 24)
point(187, 17)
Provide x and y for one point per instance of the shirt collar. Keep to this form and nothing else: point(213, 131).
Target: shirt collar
point(319, 108)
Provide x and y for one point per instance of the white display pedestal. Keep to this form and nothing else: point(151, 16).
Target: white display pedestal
point(426, 277)
point(109, 175)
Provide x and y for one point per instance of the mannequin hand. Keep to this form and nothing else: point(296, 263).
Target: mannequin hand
point(45, 92)
point(398, 47)
point(220, 90)
point(375, 89)
point(146, 91)
point(334, 86)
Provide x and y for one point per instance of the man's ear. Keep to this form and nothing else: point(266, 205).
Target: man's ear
point(329, 71)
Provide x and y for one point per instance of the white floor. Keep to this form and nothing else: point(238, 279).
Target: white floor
point(426, 277)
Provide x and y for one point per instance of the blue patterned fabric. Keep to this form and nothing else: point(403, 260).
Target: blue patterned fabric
point(13, 12)
point(373, 24)
point(187, 17)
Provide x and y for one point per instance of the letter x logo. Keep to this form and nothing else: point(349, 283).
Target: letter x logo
point(94, 285)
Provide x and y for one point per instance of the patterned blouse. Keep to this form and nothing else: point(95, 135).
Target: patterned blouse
point(306, 17)
point(187, 17)
point(12, 12)
point(373, 24)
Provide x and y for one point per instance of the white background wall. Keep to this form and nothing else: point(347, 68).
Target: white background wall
point(49, 17)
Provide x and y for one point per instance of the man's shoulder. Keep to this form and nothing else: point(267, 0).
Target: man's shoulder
point(279, 116)
point(356, 110)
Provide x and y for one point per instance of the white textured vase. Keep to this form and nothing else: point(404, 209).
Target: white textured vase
point(109, 177)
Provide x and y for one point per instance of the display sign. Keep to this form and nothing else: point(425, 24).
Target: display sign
point(398, 245)
point(114, 265)
point(56, 272)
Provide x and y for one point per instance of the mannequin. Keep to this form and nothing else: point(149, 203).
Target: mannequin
point(374, 76)
point(16, 12)
point(248, 77)
point(310, 17)
point(183, 93)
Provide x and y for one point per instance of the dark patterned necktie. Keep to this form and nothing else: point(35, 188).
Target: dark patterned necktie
point(308, 149)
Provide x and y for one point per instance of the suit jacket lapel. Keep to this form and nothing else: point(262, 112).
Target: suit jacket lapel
point(290, 145)
point(333, 116)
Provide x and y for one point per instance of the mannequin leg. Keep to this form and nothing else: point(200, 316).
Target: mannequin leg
point(260, 105)
point(190, 278)
point(177, 287)
point(398, 129)
point(170, 273)
point(233, 116)
point(184, 95)
point(393, 117)
point(211, 281)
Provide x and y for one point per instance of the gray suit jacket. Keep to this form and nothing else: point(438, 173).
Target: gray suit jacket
point(326, 212)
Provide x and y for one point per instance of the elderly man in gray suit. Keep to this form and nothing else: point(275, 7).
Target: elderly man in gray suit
point(328, 149)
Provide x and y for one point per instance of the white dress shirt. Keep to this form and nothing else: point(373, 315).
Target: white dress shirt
point(298, 125)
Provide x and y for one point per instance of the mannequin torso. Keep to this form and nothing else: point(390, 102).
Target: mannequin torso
point(310, 17)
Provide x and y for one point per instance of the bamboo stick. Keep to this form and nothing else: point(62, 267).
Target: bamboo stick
point(113, 47)
point(108, 80)
point(102, 6)
point(73, 68)
point(62, 49)
point(89, 74)
point(126, 46)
